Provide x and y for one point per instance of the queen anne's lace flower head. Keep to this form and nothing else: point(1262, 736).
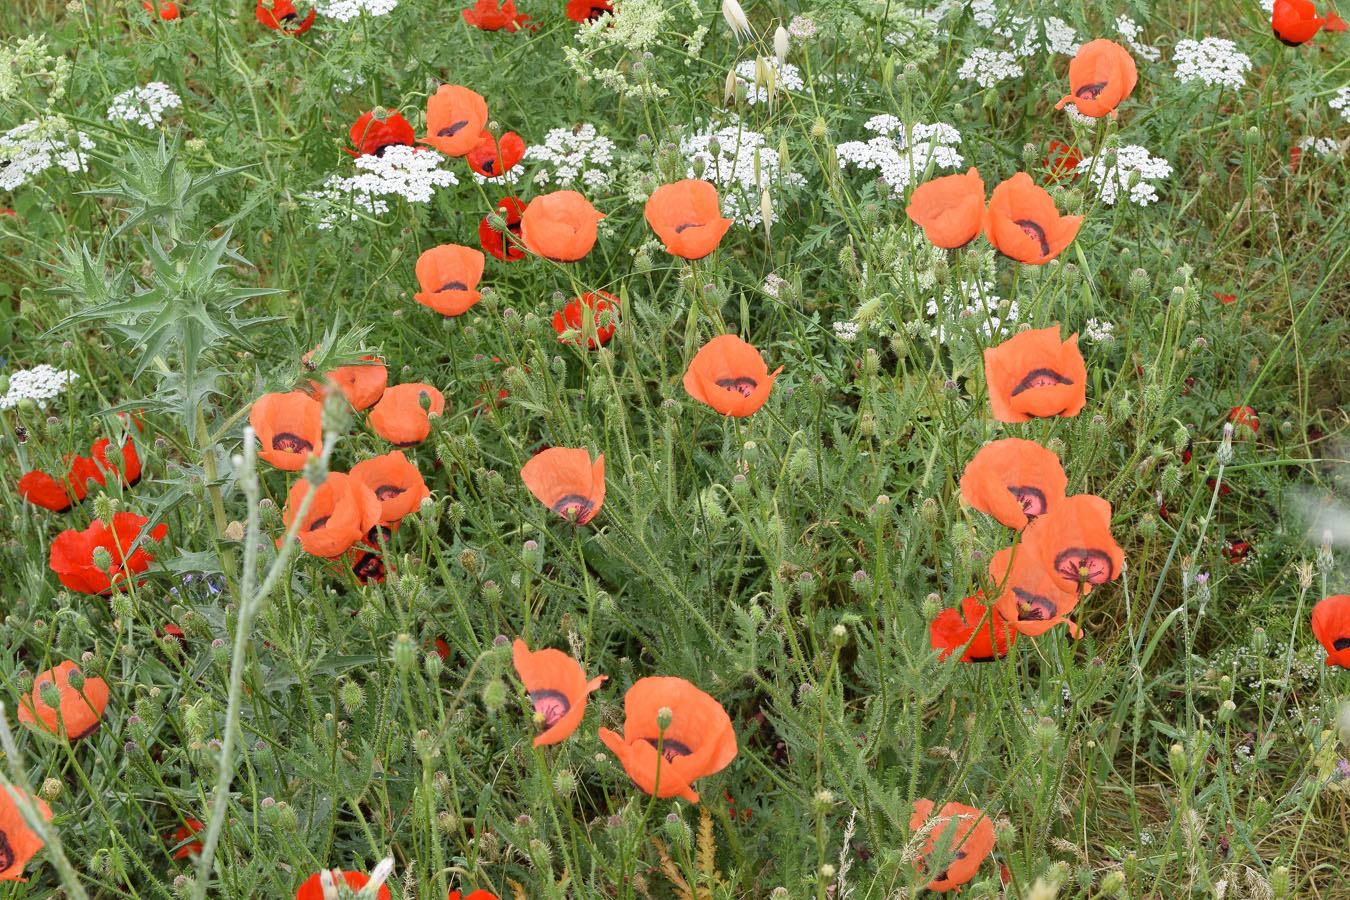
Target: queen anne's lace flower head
point(1129, 30)
point(899, 159)
point(144, 106)
point(1112, 173)
point(728, 158)
point(787, 77)
point(1321, 146)
point(574, 154)
point(988, 67)
point(32, 148)
point(1342, 102)
point(1213, 61)
point(972, 306)
point(346, 10)
point(408, 172)
point(39, 384)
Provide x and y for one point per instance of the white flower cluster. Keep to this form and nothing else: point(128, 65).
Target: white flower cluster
point(787, 77)
point(728, 156)
point(144, 106)
point(977, 308)
point(1112, 173)
point(988, 67)
point(1095, 331)
point(899, 159)
point(773, 282)
point(39, 384)
point(1342, 102)
point(1129, 29)
point(1323, 147)
point(802, 28)
point(846, 331)
point(34, 147)
point(1030, 36)
point(572, 153)
point(983, 12)
point(408, 172)
point(1213, 61)
point(346, 10)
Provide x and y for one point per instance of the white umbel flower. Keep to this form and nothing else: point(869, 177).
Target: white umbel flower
point(39, 384)
point(786, 77)
point(346, 10)
point(1213, 61)
point(1129, 30)
point(728, 156)
point(571, 154)
point(900, 159)
point(412, 173)
point(32, 148)
point(144, 106)
point(1113, 174)
point(988, 67)
point(1342, 102)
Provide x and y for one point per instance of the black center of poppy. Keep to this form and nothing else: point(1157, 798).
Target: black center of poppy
point(1090, 91)
point(574, 507)
point(679, 229)
point(1073, 562)
point(1039, 378)
point(596, 12)
point(7, 856)
point(1034, 231)
point(290, 443)
point(1341, 643)
point(379, 151)
point(454, 286)
point(319, 523)
point(1031, 498)
point(379, 534)
point(744, 385)
point(1282, 39)
point(289, 17)
point(388, 491)
point(487, 166)
point(368, 566)
point(670, 749)
point(550, 704)
point(1034, 607)
point(452, 130)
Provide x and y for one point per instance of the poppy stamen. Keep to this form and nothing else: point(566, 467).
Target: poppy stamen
point(1039, 378)
point(1083, 565)
point(1032, 499)
point(452, 130)
point(368, 566)
point(1034, 607)
point(744, 385)
point(550, 705)
point(1036, 232)
point(291, 443)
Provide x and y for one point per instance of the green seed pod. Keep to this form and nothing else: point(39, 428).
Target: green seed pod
point(351, 697)
point(494, 695)
point(404, 652)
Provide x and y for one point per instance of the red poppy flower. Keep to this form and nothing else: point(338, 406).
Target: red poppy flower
point(1224, 489)
point(1225, 298)
point(72, 553)
point(560, 226)
point(130, 470)
point(1022, 223)
point(399, 417)
point(78, 712)
point(361, 385)
point(489, 16)
point(289, 428)
point(343, 510)
point(1073, 543)
point(312, 889)
point(58, 495)
point(950, 209)
point(1334, 22)
point(368, 566)
point(1033, 375)
point(1236, 551)
point(493, 158)
point(281, 15)
point(729, 375)
point(953, 630)
point(372, 135)
point(1331, 627)
point(566, 481)
point(964, 837)
point(473, 895)
point(1295, 21)
point(1244, 416)
point(397, 484)
point(557, 688)
point(698, 741)
point(455, 119)
point(1295, 157)
point(190, 829)
point(588, 10)
point(573, 317)
point(686, 216)
point(1030, 598)
point(1062, 162)
point(1101, 75)
point(496, 242)
point(164, 9)
point(19, 842)
point(449, 277)
point(1013, 480)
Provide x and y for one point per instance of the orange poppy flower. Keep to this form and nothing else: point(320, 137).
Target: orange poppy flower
point(1101, 75)
point(1032, 375)
point(954, 630)
point(399, 417)
point(566, 481)
point(1334, 22)
point(1062, 162)
point(560, 226)
point(1073, 543)
point(72, 553)
point(687, 218)
point(372, 135)
point(455, 119)
point(698, 741)
point(281, 15)
point(312, 889)
point(77, 714)
point(289, 428)
point(572, 316)
point(18, 842)
point(473, 895)
point(191, 828)
point(950, 209)
point(496, 242)
point(729, 375)
point(57, 495)
point(964, 835)
point(344, 509)
point(1022, 223)
point(1331, 627)
point(449, 277)
point(557, 688)
point(163, 9)
point(1013, 480)
point(588, 10)
point(361, 385)
point(1295, 21)
point(1031, 599)
point(493, 158)
point(130, 470)
point(396, 482)
point(490, 15)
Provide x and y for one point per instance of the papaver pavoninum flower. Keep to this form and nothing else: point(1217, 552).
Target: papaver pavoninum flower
point(979, 631)
point(189, 829)
point(1295, 21)
point(362, 385)
point(289, 428)
point(1033, 375)
point(496, 242)
point(493, 158)
point(557, 688)
point(950, 209)
point(76, 556)
point(18, 842)
point(560, 226)
point(1030, 598)
point(397, 484)
point(127, 471)
point(372, 135)
point(449, 275)
point(588, 10)
point(166, 10)
point(78, 711)
point(489, 15)
point(1022, 223)
point(479, 894)
point(698, 739)
point(963, 837)
point(566, 481)
point(1334, 22)
point(312, 889)
point(686, 216)
point(1073, 543)
point(1246, 417)
point(1331, 627)
point(573, 317)
point(1013, 480)
point(729, 375)
point(1062, 162)
point(343, 510)
point(59, 494)
point(1101, 74)
point(401, 419)
point(455, 119)
point(281, 15)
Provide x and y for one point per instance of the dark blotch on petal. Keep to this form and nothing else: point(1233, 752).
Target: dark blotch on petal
point(744, 385)
point(1031, 498)
point(1341, 643)
point(1090, 91)
point(552, 705)
point(1036, 232)
point(453, 286)
point(669, 749)
point(452, 130)
point(290, 443)
point(1039, 378)
point(1034, 607)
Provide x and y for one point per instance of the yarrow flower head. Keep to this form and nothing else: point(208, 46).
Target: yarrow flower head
point(787, 77)
point(1342, 102)
point(1098, 332)
point(1032, 36)
point(901, 159)
point(36, 146)
point(408, 172)
point(1322, 146)
point(38, 384)
point(1213, 61)
point(572, 154)
point(144, 106)
point(988, 67)
point(346, 10)
point(1112, 173)
point(1129, 30)
point(728, 156)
